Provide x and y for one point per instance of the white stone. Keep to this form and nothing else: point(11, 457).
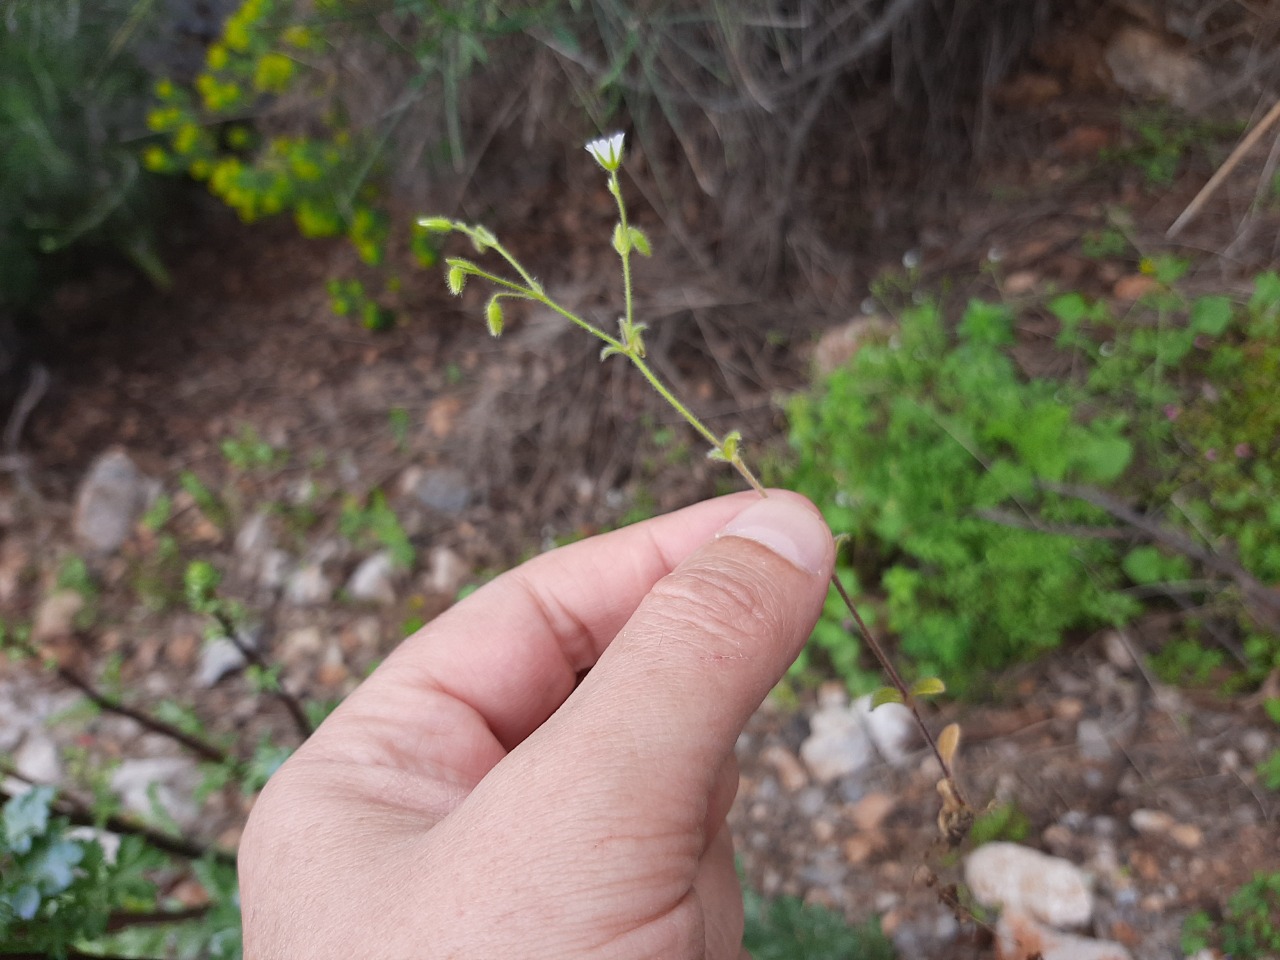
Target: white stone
point(221, 656)
point(446, 572)
point(308, 587)
point(274, 569)
point(1019, 936)
point(892, 729)
point(172, 780)
point(1010, 876)
point(1145, 64)
point(37, 759)
point(374, 580)
point(301, 645)
point(111, 499)
point(838, 744)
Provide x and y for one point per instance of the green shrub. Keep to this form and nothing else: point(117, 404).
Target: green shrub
point(72, 101)
point(908, 445)
point(999, 513)
point(1250, 927)
point(275, 123)
point(787, 929)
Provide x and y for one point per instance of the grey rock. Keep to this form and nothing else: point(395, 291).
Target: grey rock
point(37, 759)
point(446, 572)
point(111, 499)
point(308, 586)
point(274, 570)
point(1010, 876)
point(892, 729)
point(1145, 64)
point(838, 743)
point(375, 579)
point(301, 646)
point(1020, 935)
point(221, 657)
point(172, 781)
point(441, 488)
point(1092, 739)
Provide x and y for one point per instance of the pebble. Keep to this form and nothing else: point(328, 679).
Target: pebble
point(790, 770)
point(1092, 740)
point(218, 659)
point(57, 615)
point(810, 801)
point(446, 572)
point(172, 781)
point(1117, 652)
point(375, 579)
point(1255, 744)
point(838, 743)
point(37, 759)
point(301, 645)
point(308, 587)
point(1015, 877)
point(1019, 936)
point(111, 498)
point(441, 488)
point(872, 810)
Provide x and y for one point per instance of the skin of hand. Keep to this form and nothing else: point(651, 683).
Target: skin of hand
point(479, 797)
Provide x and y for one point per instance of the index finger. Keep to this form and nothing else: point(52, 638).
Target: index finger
point(481, 677)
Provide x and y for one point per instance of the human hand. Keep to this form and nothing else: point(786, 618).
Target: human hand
point(473, 799)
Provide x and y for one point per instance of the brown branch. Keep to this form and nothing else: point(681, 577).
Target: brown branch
point(1256, 593)
point(296, 711)
point(1224, 171)
point(125, 920)
point(196, 745)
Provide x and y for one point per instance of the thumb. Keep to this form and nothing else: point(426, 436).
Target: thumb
point(658, 716)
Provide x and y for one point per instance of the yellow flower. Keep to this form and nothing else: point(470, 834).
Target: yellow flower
point(273, 73)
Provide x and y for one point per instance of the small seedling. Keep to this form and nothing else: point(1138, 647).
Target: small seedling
point(956, 816)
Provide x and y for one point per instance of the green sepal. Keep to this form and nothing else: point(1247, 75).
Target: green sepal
point(728, 449)
point(621, 240)
point(639, 242)
point(928, 687)
point(493, 316)
point(482, 239)
point(886, 695)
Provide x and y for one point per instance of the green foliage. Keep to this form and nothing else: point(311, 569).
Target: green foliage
point(1004, 821)
point(1159, 139)
point(1250, 927)
point(957, 474)
point(57, 891)
point(72, 97)
point(374, 522)
point(1269, 771)
point(787, 929)
point(913, 441)
point(1186, 661)
point(247, 451)
point(325, 155)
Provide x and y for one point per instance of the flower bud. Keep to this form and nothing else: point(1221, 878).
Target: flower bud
point(457, 279)
point(493, 316)
point(436, 224)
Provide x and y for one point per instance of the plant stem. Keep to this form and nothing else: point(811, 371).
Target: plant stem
point(291, 703)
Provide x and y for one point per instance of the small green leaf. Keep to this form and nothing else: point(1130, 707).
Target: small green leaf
point(1211, 315)
point(886, 695)
point(639, 241)
point(493, 316)
point(26, 816)
point(928, 687)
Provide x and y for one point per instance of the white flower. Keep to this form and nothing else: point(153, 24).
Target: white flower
point(607, 151)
